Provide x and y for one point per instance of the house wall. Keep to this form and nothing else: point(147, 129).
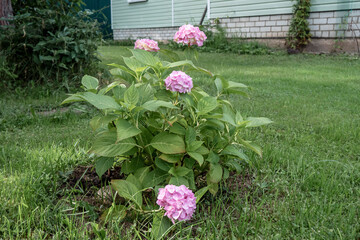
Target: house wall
point(156, 13)
point(168, 13)
point(331, 20)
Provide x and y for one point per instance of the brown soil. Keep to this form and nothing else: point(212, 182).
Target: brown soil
point(87, 178)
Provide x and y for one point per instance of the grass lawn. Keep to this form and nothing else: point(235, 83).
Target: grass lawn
point(306, 186)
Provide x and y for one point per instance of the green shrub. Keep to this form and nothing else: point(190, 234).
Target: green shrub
point(162, 137)
point(49, 42)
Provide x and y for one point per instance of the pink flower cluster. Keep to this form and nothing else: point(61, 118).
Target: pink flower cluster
point(190, 35)
point(147, 45)
point(178, 202)
point(179, 81)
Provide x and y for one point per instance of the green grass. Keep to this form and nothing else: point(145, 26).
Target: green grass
point(306, 186)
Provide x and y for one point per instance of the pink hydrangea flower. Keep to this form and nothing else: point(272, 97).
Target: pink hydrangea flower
point(179, 81)
point(147, 45)
point(190, 35)
point(178, 202)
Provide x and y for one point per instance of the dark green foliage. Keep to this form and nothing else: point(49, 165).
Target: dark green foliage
point(217, 42)
point(299, 32)
point(50, 42)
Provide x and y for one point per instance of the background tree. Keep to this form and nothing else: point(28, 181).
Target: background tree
point(6, 11)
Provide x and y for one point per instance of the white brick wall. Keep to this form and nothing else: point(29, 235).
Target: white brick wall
point(322, 25)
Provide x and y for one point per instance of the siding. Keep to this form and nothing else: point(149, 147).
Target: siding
point(158, 13)
point(188, 11)
point(245, 8)
point(333, 5)
point(153, 13)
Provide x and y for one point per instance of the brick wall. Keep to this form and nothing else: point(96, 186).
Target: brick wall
point(162, 34)
point(322, 25)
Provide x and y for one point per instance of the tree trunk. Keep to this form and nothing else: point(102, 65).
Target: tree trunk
point(6, 11)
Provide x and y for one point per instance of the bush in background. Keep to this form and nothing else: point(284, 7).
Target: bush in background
point(48, 42)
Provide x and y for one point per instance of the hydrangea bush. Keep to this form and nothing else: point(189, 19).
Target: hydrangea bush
point(166, 130)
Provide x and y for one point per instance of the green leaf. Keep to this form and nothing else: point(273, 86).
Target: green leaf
point(226, 174)
point(125, 130)
point(134, 180)
point(233, 164)
point(103, 164)
point(197, 156)
point(131, 95)
point(89, 82)
point(213, 158)
point(134, 64)
point(100, 101)
point(177, 129)
point(257, 121)
point(73, 98)
point(232, 150)
point(116, 212)
point(219, 85)
point(145, 57)
point(190, 135)
point(123, 68)
point(170, 54)
point(215, 173)
point(228, 115)
point(179, 171)
point(193, 146)
point(174, 158)
point(123, 75)
point(178, 181)
point(132, 165)
point(206, 104)
point(118, 92)
point(160, 226)
point(153, 105)
point(146, 93)
point(163, 165)
point(202, 150)
point(235, 85)
point(128, 191)
point(141, 173)
point(168, 143)
point(191, 178)
point(200, 193)
point(105, 144)
point(238, 118)
point(213, 188)
point(110, 87)
point(155, 178)
point(251, 146)
point(190, 64)
point(181, 63)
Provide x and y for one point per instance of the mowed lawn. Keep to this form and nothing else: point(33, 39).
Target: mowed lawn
point(306, 185)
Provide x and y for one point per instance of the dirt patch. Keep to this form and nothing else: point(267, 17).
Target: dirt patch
point(241, 183)
point(87, 187)
point(87, 178)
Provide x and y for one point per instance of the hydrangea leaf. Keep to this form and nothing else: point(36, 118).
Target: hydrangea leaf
point(168, 143)
point(125, 130)
point(89, 82)
point(128, 191)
